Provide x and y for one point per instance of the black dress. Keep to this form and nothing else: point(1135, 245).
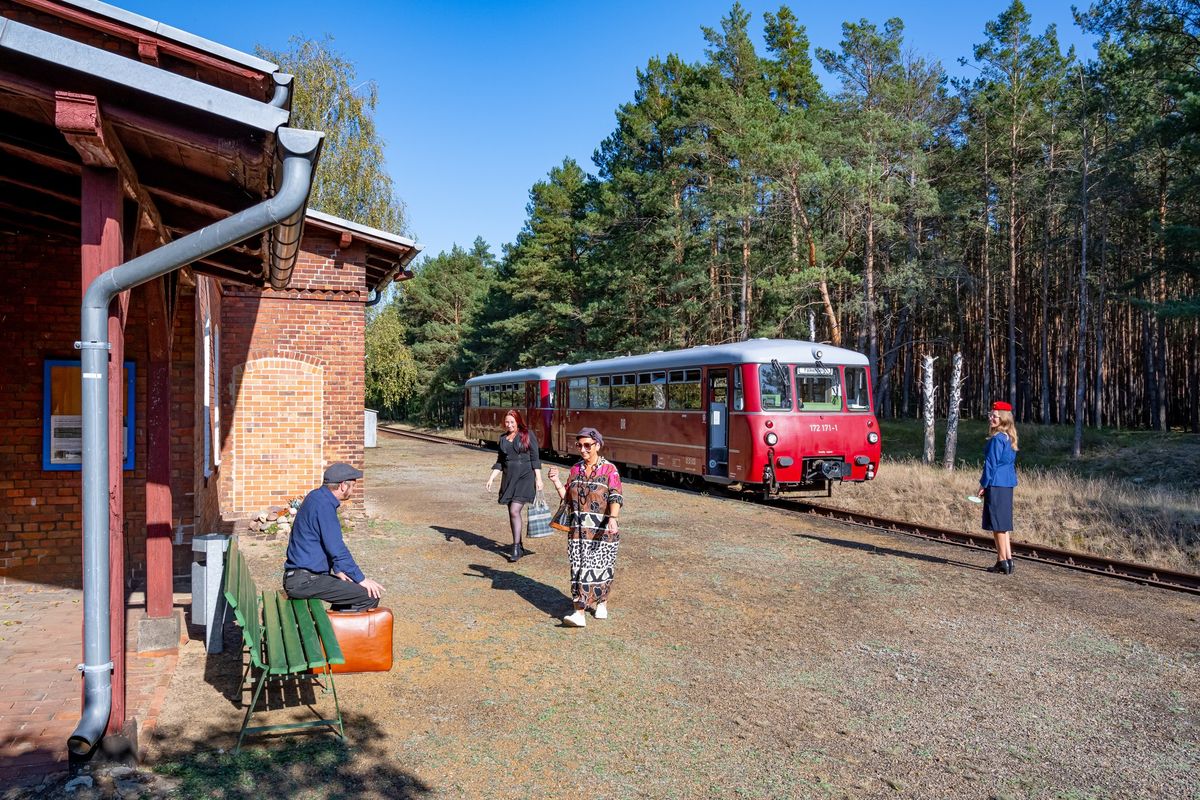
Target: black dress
point(518, 484)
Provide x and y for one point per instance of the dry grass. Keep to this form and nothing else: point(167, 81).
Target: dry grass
point(1103, 516)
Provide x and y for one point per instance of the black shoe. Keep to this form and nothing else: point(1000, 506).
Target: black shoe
point(515, 555)
point(1008, 566)
point(998, 567)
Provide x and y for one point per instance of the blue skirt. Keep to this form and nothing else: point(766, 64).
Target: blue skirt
point(997, 509)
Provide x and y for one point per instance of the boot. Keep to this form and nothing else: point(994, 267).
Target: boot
point(515, 555)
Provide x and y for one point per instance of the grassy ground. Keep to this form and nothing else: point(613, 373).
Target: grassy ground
point(1131, 495)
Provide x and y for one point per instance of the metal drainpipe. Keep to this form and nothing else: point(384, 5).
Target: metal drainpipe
point(300, 151)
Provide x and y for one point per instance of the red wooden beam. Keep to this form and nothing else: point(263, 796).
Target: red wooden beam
point(102, 247)
point(159, 512)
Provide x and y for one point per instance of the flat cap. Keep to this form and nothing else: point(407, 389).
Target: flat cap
point(336, 473)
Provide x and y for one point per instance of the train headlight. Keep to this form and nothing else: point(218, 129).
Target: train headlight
point(872, 437)
point(771, 438)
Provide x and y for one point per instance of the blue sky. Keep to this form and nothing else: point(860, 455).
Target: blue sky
point(477, 101)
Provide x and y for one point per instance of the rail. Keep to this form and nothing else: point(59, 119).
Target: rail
point(1045, 554)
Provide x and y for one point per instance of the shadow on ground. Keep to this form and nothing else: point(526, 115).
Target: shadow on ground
point(887, 551)
point(296, 764)
point(471, 539)
point(542, 596)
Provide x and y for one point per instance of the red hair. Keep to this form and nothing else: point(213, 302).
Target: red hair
point(522, 430)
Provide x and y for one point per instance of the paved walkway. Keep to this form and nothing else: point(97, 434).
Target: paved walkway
point(41, 642)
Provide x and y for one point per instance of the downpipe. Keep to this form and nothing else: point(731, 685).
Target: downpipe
point(301, 149)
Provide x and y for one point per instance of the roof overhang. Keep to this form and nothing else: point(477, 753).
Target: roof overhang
point(388, 254)
point(194, 151)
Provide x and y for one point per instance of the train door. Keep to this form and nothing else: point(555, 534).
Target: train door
point(718, 423)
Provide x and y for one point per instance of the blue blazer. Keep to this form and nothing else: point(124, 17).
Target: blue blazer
point(999, 462)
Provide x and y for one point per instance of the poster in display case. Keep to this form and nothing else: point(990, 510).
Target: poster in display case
point(62, 416)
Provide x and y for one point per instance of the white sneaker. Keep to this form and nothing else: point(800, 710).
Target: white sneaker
point(576, 620)
point(601, 611)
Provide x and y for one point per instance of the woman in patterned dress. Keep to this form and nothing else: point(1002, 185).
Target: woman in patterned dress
point(592, 494)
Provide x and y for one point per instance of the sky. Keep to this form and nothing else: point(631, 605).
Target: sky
point(478, 101)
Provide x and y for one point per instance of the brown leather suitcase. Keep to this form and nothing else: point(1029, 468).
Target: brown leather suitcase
point(365, 638)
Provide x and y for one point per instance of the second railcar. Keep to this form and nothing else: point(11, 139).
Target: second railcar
point(489, 397)
point(771, 415)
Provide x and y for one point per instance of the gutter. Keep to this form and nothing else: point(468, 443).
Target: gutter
point(284, 211)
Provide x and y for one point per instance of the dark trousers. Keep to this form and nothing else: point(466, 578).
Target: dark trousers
point(301, 584)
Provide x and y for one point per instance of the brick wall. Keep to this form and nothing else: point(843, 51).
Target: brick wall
point(40, 523)
point(292, 379)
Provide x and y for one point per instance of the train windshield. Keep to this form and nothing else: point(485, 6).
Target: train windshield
point(818, 388)
point(773, 388)
point(856, 389)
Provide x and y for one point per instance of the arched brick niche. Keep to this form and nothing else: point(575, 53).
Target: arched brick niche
point(277, 432)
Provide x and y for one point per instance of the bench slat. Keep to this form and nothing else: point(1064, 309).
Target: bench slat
point(291, 634)
point(277, 661)
point(333, 650)
point(313, 653)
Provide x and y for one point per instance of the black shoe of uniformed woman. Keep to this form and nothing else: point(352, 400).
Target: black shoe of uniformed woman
point(998, 567)
point(1008, 566)
point(515, 555)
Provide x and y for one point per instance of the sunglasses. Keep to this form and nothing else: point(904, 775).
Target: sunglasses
point(586, 445)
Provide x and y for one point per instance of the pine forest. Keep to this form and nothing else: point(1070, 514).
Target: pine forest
point(1041, 217)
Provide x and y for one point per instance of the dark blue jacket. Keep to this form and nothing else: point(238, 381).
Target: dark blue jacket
point(999, 462)
point(316, 542)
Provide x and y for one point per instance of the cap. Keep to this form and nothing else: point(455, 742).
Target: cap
point(1000, 405)
point(592, 432)
point(336, 473)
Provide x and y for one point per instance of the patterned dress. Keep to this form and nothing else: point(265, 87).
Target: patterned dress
point(591, 549)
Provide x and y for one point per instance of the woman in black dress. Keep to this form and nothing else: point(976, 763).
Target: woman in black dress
point(521, 468)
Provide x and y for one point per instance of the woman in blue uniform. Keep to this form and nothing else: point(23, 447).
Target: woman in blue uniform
point(998, 481)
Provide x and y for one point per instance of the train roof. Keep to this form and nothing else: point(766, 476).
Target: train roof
point(517, 375)
point(752, 351)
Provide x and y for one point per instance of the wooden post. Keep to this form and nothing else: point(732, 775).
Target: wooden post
point(102, 247)
point(159, 567)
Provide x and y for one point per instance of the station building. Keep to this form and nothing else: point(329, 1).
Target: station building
point(235, 375)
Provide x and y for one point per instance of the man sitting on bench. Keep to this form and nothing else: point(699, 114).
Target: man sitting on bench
point(318, 563)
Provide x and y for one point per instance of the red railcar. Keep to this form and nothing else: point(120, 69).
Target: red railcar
point(771, 415)
point(489, 397)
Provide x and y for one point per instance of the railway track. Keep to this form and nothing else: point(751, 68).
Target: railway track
point(1070, 559)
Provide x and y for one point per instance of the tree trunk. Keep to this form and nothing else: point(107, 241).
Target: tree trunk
point(952, 413)
point(1081, 343)
point(927, 409)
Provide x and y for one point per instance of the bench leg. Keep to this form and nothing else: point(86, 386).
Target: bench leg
point(336, 706)
point(262, 681)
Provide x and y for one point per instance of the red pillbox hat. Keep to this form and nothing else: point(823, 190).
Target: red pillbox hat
point(1000, 405)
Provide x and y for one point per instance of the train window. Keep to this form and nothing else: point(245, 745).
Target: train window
point(856, 389)
point(818, 388)
point(683, 393)
point(598, 392)
point(577, 392)
point(550, 397)
point(739, 399)
point(652, 390)
point(624, 391)
point(475, 396)
point(485, 396)
point(773, 388)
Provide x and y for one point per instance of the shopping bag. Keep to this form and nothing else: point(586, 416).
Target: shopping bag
point(538, 521)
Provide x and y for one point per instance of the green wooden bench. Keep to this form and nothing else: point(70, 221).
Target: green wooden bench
point(284, 638)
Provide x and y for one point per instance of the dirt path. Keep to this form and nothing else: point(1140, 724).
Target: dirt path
point(749, 654)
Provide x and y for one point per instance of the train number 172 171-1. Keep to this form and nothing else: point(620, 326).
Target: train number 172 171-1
point(823, 427)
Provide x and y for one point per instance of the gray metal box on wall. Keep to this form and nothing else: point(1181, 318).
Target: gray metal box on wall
point(370, 425)
point(208, 584)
